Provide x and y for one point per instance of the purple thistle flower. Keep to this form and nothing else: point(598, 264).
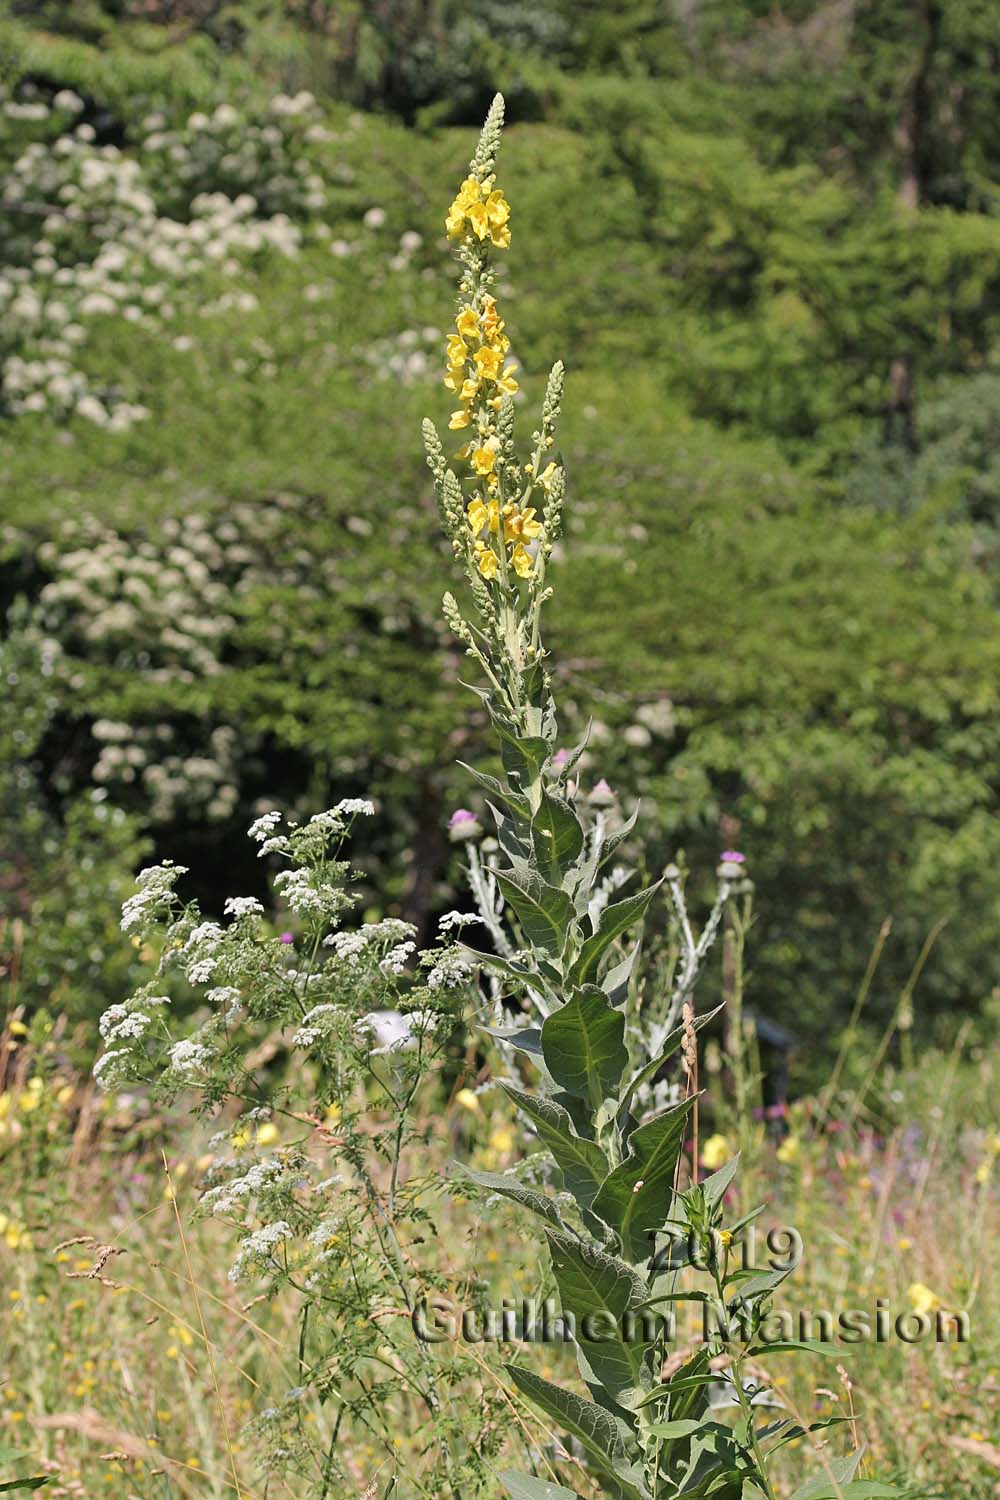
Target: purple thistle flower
point(287, 937)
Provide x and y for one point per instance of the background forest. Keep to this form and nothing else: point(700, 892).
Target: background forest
point(777, 279)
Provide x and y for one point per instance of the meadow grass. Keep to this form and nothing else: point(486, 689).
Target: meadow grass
point(131, 1367)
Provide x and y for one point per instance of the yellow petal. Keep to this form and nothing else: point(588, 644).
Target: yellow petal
point(467, 323)
point(460, 418)
point(523, 565)
point(479, 219)
point(499, 236)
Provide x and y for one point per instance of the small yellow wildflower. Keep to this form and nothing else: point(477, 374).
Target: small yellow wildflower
point(922, 1299)
point(789, 1149)
point(467, 323)
point(716, 1149)
point(904, 1244)
point(502, 1139)
point(460, 418)
point(17, 1028)
point(506, 381)
point(267, 1134)
point(468, 1099)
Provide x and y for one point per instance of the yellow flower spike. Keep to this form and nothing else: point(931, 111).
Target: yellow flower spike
point(460, 418)
point(522, 561)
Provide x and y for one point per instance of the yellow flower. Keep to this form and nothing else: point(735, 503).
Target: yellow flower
point(486, 560)
point(904, 1244)
point(546, 477)
point(455, 377)
point(520, 525)
point(497, 208)
point(480, 514)
point(458, 349)
point(483, 460)
point(460, 418)
point(267, 1134)
point(788, 1151)
point(500, 237)
point(502, 1139)
point(521, 558)
point(17, 1028)
point(467, 323)
point(468, 1099)
point(716, 1149)
point(984, 1171)
point(507, 383)
point(725, 1238)
point(332, 1113)
point(488, 362)
point(479, 218)
point(469, 389)
point(922, 1299)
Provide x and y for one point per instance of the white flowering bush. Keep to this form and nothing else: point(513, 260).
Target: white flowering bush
point(98, 233)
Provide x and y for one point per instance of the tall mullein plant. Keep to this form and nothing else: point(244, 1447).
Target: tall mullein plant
point(620, 1231)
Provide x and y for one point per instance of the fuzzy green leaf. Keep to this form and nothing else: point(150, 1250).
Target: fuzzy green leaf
point(613, 921)
point(605, 1437)
point(527, 1487)
point(508, 1187)
point(635, 1198)
point(597, 1286)
point(581, 1162)
point(583, 1043)
point(544, 911)
point(556, 837)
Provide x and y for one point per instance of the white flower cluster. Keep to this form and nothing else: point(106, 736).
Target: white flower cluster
point(258, 1248)
point(351, 946)
point(451, 969)
point(316, 1023)
point(228, 1197)
point(155, 893)
point(401, 358)
point(189, 1059)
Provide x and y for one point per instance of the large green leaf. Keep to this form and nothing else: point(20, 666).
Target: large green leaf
point(523, 758)
point(601, 1292)
point(583, 1043)
point(635, 1198)
point(605, 1437)
point(582, 1163)
point(511, 800)
point(527, 1487)
point(556, 837)
point(613, 921)
point(544, 911)
point(508, 1187)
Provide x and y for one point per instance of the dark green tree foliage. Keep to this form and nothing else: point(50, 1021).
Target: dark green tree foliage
point(780, 277)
